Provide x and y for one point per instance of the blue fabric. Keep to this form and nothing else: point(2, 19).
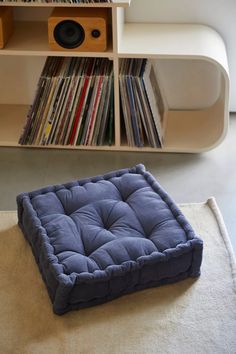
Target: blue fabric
point(101, 237)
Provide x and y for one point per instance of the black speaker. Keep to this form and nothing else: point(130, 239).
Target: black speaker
point(69, 34)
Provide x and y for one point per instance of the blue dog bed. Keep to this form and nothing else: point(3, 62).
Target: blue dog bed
point(102, 237)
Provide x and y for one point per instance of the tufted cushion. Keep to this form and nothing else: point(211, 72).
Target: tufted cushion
point(101, 237)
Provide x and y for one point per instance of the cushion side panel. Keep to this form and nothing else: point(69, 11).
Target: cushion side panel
point(42, 250)
point(150, 275)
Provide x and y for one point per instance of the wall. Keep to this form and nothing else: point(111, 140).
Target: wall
point(219, 14)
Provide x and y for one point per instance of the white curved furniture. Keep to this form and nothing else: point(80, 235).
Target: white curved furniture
point(220, 15)
point(191, 63)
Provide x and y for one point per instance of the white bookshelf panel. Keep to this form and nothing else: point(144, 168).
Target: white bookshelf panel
point(19, 76)
point(192, 131)
point(189, 84)
point(175, 40)
point(39, 3)
point(12, 119)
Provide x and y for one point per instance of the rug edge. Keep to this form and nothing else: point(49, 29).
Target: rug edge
point(212, 204)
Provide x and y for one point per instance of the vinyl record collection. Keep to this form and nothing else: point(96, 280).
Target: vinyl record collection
point(141, 102)
point(73, 104)
point(61, 1)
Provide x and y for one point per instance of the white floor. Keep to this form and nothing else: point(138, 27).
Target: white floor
point(186, 177)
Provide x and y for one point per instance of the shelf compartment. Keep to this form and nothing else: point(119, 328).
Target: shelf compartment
point(73, 103)
point(19, 87)
point(31, 38)
point(198, 111)
point(196, 130)
point(192, 131)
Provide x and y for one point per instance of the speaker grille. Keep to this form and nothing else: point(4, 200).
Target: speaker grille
point(69, 34)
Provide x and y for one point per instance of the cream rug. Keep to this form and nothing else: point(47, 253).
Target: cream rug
point(193, 316)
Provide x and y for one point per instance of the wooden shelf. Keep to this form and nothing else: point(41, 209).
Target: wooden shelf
point(182, 132)
point(17, 3)
point(31, 38)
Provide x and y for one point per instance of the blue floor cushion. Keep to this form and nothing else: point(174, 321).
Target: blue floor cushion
point(102, 237)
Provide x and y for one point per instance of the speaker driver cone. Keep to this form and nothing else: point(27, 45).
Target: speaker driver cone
point(69, 34)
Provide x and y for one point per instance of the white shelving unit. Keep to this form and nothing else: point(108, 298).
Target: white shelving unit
point(191, 61)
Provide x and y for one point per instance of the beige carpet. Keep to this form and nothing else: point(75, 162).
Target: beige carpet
point(193, 316)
